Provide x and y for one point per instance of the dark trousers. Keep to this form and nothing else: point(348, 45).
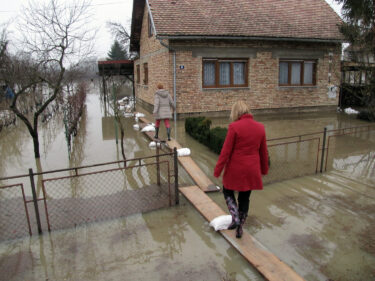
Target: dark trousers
point(243, 199)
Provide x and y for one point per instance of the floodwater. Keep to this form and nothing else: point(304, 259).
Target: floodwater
point(320, 225)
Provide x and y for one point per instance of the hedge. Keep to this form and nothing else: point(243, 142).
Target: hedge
point(366, 114)
point(199, 128)
point(217, 138)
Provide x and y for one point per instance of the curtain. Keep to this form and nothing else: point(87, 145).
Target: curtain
point(239, 73)
point(283, 73)
point(209, 74)
point(224, 73)
point(296, 73)
point(308, 72)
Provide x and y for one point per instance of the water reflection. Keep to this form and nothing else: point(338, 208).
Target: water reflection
point(308, 222)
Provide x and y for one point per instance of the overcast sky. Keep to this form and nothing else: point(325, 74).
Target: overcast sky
point(104, 11)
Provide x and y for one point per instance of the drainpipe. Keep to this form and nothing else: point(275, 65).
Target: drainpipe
point(174, 75)
point(174, 58)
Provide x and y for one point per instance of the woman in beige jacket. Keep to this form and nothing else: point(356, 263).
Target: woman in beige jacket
point(162, 109)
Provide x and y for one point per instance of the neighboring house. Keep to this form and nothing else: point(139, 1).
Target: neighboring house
point(357, 68)
point(209, 53)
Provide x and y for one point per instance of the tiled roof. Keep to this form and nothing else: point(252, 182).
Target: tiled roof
point(312, 19)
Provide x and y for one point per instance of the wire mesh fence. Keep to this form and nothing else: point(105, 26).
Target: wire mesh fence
point(109, 194)
point(292, 159)
point(87, 194)
point(69, 197)
point(352, 151)
point(14, 215)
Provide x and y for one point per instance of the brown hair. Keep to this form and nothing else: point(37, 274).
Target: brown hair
point(160, 86)
point(238, 109)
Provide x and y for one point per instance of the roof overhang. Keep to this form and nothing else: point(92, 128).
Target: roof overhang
point(259, 38)
point(136, 25)
point(116, 67)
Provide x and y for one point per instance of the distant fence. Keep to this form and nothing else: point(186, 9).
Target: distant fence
point(307, 154)
point(87, 194)
point(65, 198)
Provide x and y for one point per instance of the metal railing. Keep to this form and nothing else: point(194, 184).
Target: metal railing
point(307, 154)
point(36, 202)
point(87, 194)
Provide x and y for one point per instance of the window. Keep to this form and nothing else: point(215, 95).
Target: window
point(297, 72)
point(150, 29)
point(145, 71)
point(138, 74)
point(224, 73)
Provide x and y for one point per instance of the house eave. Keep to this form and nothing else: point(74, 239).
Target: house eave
point(263, 38)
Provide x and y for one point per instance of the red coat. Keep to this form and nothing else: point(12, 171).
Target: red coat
point(244, 155)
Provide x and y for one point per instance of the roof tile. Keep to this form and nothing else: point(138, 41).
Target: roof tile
point(250, 18)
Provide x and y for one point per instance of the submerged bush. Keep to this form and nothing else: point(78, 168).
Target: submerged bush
point(366, 114)
point(191, 124)
point(217, 138)
point(199, 129)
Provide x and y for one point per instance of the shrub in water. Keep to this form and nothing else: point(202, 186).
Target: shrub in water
point(191, 124)
point(198, 128)
point(217, 138)
point(366, 114)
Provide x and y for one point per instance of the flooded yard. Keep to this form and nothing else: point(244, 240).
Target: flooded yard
point(320, 225)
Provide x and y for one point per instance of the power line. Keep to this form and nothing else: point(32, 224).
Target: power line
point(91, 5)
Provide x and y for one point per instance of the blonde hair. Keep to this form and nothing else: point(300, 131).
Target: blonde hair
point(160, 86)
point(238, 109)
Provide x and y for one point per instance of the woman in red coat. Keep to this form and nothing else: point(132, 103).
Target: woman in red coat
point(245, 159)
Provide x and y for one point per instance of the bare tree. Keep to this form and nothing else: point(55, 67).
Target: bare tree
point(54, 36)
point(121, 34)
point(119, 31)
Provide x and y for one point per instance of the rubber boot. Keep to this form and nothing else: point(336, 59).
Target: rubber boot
point(239, 230)
point(233, 210)
point(156, 133)
point(169, 133)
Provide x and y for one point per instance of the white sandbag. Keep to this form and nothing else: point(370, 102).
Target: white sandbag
point(128, 114)
point(136, 126)
point(183, 152)
point(350, 110)
point(221, 222)
point(148, 128)
point(153, 144)
point(138, 114)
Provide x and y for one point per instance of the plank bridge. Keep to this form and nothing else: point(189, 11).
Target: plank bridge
point(270, 266)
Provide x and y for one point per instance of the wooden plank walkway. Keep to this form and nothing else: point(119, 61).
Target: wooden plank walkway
point(188, 163)
point(270, 266)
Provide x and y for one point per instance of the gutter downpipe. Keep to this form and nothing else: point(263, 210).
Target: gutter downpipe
point(174, 61)
point(174, 75)
point(205, 37)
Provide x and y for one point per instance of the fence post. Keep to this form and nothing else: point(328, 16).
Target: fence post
point(323, 149)
point(157, 163)
point(175, 166)
point(35, 200)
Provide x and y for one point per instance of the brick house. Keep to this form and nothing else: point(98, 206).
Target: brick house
point(276, 55)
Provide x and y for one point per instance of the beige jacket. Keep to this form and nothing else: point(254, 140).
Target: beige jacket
point(162, 104)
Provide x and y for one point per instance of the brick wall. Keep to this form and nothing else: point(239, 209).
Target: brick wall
point(158, 60)
point(263, 91)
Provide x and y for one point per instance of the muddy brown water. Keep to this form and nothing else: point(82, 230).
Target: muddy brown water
point(320, 225)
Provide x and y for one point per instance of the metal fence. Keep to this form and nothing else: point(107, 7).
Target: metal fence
point(350, 148)
point(65, 198)
point(14, 215)
point(87, 194)
point(307, 154)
